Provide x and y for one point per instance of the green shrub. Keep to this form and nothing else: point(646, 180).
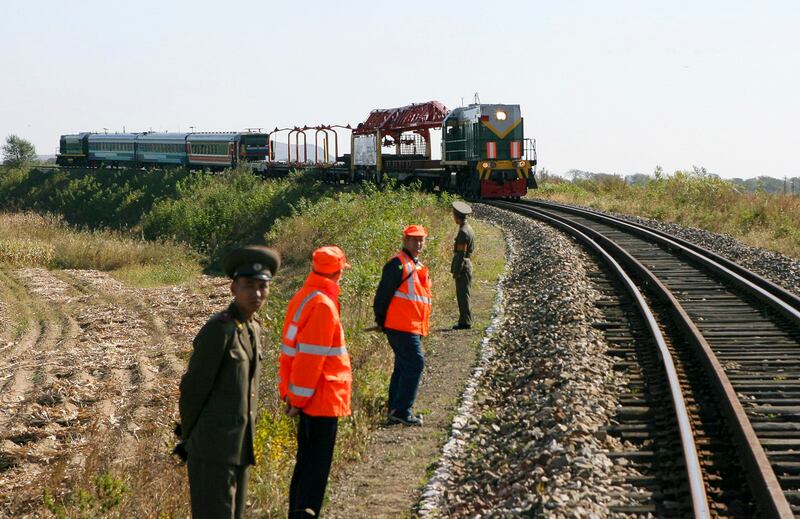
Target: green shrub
point(212, 213)
point(89, 197)
point(107, 494)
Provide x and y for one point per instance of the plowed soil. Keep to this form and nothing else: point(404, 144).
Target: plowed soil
point(88, 367)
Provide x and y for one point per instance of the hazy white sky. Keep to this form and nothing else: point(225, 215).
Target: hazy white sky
point(614, 86)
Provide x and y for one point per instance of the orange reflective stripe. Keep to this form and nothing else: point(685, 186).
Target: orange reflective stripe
point(410, 293)
point(323, 351)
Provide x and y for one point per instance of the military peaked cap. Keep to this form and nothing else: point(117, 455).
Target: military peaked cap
point(462, 208)
point(252, 261)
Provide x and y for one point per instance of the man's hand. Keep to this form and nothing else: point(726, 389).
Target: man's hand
point(180, 452)
point(291, 411)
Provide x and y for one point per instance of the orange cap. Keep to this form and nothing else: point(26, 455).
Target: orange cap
point(328, 260)
point(415, 230)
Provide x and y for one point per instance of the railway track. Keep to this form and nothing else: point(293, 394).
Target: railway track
point(711, 421)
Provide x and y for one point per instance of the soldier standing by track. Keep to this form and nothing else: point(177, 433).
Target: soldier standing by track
point(461, 267)
point(402, 308)
point(315, 377)
point(219, 391)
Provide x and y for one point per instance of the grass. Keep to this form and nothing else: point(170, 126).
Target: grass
point(694, 199)
point(211, 213)
point(46, 241)
point(108, 198)
point(367, 223)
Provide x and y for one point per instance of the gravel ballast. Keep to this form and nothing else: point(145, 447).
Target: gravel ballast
point(781, 270)
point(529, 441)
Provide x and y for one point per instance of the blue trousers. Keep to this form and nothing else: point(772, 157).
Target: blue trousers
point(408, 363)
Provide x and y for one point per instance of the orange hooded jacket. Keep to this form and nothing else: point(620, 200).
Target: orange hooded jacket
point(314, 368)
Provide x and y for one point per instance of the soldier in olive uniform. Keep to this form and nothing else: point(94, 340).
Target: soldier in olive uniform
point(461, 268)
point(219, 391)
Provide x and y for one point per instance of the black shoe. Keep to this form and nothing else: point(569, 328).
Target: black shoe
point(460, 326)
point(411, 419)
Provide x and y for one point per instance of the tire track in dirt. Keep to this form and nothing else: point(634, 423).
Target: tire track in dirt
point(166, 318)
point(34, 415)
point(123, 337)
point(21, 330)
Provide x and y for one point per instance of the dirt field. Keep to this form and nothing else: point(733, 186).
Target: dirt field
point(87, 368)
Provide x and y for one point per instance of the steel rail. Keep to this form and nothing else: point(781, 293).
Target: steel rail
point(692, 463)
point(760, 474)
point(776, 290)
point(786, 307)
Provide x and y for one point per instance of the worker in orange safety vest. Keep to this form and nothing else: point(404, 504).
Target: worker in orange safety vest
point(315, 377)
point(402, 308)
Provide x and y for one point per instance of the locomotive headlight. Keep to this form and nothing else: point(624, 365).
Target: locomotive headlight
point(485, 165)
point(522, 164)
point(501, 115)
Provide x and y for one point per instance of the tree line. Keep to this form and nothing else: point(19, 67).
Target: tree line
point(761, 183)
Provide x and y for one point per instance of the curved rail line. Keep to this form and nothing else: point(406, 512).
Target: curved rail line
point(757, 294)
point(691, 461)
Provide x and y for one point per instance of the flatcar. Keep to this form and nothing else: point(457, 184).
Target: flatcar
point(152, 149)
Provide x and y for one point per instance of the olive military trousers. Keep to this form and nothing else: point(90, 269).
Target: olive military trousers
point(218, 490)
point(463, 283)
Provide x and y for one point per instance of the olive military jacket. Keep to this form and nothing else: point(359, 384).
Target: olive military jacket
point(462, 250)
point(219, 391)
